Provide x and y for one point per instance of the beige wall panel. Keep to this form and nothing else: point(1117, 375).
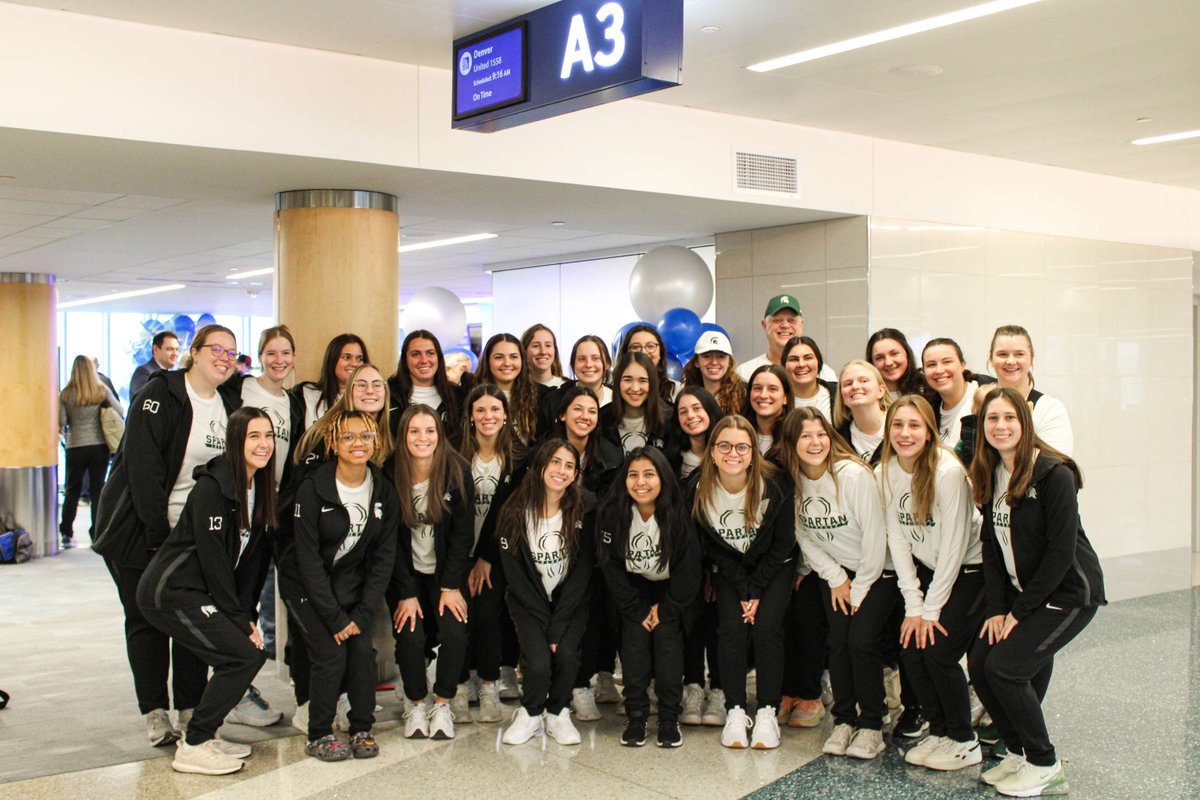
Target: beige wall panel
point(28, 371)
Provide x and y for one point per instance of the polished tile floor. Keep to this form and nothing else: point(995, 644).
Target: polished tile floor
point(1124, 709)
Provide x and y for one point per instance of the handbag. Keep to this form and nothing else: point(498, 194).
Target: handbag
point(113, 427)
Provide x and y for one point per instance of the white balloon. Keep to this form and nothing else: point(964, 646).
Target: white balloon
point(670, 277)
point(438, 311)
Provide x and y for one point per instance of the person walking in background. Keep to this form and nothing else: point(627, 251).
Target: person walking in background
point(79, 406)
point(164, 352)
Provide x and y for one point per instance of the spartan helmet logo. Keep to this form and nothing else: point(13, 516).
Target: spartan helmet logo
point(417, 499)
point(632, 441)
point(358, 517)
point(728, 517)
point(1002, 500)
point(276, 419)
point(641, 542)
point(553, 542)
point(905, 499)
point(217, 428)
point(816, 506)
point(486, 484)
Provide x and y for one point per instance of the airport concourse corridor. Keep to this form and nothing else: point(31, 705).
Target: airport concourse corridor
point(1130, 682)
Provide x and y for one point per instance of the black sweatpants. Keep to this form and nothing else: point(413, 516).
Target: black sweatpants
point(766, 636)
point(411, 644)
point(221, 644)
point(935, 671)
point(1012, 675)
point(350, 664)
point(152, 656)
point(701, 644)
point(599, 653)
point(805, 646)
point(856, 653)
point(90, 461)
point(548, 677)
point(487, 614)
point(656, 654)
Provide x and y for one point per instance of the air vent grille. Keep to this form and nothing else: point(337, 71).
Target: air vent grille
point(765, 173)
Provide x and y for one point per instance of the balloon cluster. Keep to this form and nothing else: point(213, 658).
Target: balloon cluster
point(673, 285)
point(438, 311)
point(183, 326)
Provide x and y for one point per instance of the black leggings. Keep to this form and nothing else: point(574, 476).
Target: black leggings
point(152, 655)
point(766, 635)
point(856, 653)
point(411, 645)
point(599, 653)
point(702, 641)
point(656, 654)
point(488, 616)
point(806, 632)
point(222, 645)
point(351, 663)
point(1011, 677)
point(90, 460)
point(548, 677)
point(935, 671)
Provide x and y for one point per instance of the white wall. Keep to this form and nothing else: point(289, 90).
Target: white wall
point(1112, 333)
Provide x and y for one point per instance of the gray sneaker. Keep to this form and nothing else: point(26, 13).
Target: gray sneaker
point(693, 705)
point(204, 759)
point(159, 729)
point(461, 704)
point(253, 710)
point(714, 709)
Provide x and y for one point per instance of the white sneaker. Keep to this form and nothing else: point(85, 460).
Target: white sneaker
point(341, 716)
point(1007, 766)
point(234, 749)
point(441, 721)
point(204, 759)
point(510, 689)
point(1031, 780)
point(522, 728)
point(714, 709)
point(736, 725)
point(606, 690)
point(159, 729)
point(766, 729)
point(891, 687)
point(923, 750)
point(461, 704)
point(866, 744)
point(416, 720)
point(692, 712)
point(253, 710)
point(955, 755)
point(490, 709)
point(183, 718)
point(300, 718)
point(560, 728)
point(839, 740)
point(583, 703)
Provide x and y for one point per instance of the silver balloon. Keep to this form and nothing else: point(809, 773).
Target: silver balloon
point(438, 311)
point(670, 277)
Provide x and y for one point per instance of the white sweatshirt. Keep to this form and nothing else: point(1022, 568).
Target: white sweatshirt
point(1052, 425)
point(840, 527)
point(944, 542)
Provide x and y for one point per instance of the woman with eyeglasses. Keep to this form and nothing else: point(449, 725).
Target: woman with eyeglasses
point(344, 353)
point(178, 424)
point(646, 339)
point(744, 510)
point(420, 377)
point(333, 578)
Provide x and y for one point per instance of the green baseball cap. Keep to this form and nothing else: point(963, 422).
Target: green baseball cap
point(780, 302)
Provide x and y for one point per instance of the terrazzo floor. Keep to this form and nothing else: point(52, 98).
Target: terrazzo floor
point(1124, 710)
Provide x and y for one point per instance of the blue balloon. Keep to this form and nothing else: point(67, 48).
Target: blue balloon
point(206, 319)
point(705, 327)
point(674, 367)
point(468, 353)
point(620, 336)
point(679, 328)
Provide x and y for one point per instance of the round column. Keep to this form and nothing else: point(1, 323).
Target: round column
point(29, 373)
point(337, 271)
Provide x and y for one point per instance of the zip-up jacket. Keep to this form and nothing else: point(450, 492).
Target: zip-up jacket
point(569, 602)
point(774, 544)
point(131, 520)
point(609, 422)
point(202, 562)
point(231, 391)
point(633, 593)
point(452, 540)
point(488, 546)
point(844, 432)
point(352, 588)
point(1055, 562)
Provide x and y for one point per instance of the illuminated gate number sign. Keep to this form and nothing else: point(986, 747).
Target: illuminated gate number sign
point(563, 57)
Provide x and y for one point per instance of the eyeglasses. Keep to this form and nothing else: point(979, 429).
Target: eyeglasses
point(649, 347)
point(350, 438)
point(221, 352)
point(363, 385)
point(725, 448)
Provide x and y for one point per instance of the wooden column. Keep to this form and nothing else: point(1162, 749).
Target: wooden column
point(337, 271)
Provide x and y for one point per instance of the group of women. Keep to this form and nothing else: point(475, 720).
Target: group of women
point(909, 517)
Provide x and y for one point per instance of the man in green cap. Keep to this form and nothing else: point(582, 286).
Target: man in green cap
point(782, 320)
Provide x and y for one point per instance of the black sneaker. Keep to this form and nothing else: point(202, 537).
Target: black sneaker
point(635, 732)
point(911, 725)
point(668, 734)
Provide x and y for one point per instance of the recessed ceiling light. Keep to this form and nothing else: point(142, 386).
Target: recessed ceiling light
point(890, 34)
point(1143, 119)
point(254, 273)
point(710, 29)
point(474, 237)
point(171, 287)
point(558, 223)
point(1168, 137)
point(917, 71)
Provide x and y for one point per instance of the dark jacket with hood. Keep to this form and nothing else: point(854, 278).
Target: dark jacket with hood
point(203, 561)
point(452, 538)
point(449, 411)
point(131, 520)
point(634, 593)
point(1055, 562)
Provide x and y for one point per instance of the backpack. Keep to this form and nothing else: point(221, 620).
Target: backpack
point(16, 547)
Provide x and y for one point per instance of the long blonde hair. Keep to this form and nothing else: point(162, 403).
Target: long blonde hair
point(84, 388)
point(924, 473)
point(758, 472)
point(320, 429)
point(841, 414)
